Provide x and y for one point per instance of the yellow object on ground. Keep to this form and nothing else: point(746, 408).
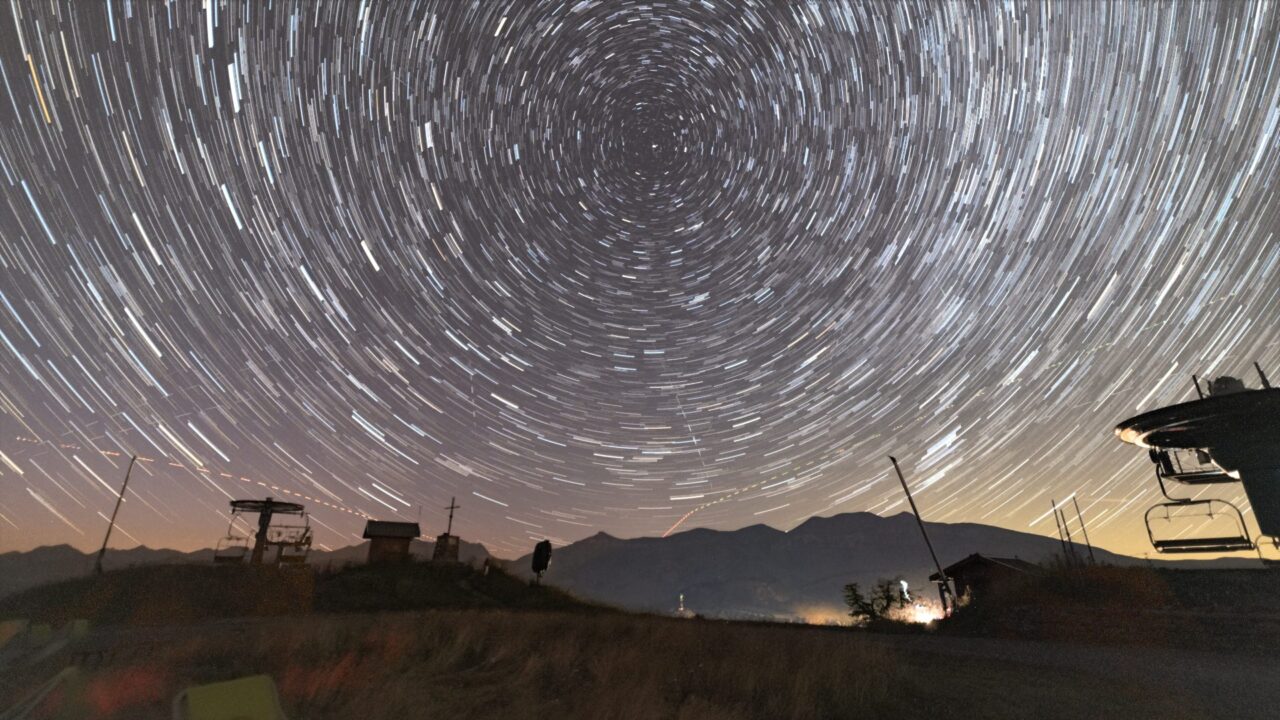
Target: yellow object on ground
point(247, 698)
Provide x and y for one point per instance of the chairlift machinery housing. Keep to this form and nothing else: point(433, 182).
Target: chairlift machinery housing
point(1228, 435)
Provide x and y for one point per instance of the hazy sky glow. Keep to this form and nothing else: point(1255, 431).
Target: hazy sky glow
point(619, 266)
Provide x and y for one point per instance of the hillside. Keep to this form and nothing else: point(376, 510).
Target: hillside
point(759, 571)
point(22, 570)
point(179, 594)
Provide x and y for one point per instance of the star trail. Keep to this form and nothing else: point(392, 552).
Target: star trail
point(634, 267)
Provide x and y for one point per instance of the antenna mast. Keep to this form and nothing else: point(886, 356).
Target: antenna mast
point(1062, 538)
point(97, 565)
point(1066, 528)
point(1085, 530)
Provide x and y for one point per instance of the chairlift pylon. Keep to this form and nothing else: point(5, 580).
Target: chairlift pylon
point(1225, 435)
point(292, 542)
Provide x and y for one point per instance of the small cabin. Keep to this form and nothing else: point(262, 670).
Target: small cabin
point(977, 574)
point(389, 541)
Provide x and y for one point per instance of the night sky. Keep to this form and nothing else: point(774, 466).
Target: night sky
point(633, 267)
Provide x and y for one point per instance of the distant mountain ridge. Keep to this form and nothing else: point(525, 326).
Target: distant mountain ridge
point(757, 571)
point(22, 570)
point(760, 571)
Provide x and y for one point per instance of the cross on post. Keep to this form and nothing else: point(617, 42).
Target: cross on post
point(453, 505)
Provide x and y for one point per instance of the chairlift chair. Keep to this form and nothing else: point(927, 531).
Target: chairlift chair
point(231, 549)
point(1180, 467)
point(293, 542)
point(1220, 543)
point(1189, 467)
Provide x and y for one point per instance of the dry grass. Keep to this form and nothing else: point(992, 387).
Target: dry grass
point(361, 643)
point(515, 665)
point(533, 665)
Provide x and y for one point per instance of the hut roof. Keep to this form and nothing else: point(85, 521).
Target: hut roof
point(391, 529)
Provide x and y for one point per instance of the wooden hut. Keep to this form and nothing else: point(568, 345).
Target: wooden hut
point(976, 574)
point(389, 541)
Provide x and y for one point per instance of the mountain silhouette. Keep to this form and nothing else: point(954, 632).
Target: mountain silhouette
point(760, 571)
point(757, 571)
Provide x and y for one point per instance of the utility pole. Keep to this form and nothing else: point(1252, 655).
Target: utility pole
point(453, 505)
point(97, 565)
point(1085, 530)
point(943, 582)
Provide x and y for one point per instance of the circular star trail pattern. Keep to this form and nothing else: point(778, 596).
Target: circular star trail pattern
point(625, 266)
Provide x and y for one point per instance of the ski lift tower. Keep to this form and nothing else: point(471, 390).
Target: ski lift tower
point(293, 541)
point(1227, 435)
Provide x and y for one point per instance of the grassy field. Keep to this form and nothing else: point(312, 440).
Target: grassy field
point(178, 594)
point(515, 665)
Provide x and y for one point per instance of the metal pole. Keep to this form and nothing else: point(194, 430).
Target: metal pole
point(942, 575)
point(97, 565)
point(1057, 520)
point(1085, 530)
point(260, 539)
point(1071, 543)
point(1262, 375)
point(1196, 380)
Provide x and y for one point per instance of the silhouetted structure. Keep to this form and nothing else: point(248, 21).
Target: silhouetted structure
point(447, 545)
point(945, 591)
point(977, 574)
point(1069, 554)
point(1227, 436)
point(541, 559)
point(447, 548)
point(389, 541)
point(292, 542)
point(97, 564)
